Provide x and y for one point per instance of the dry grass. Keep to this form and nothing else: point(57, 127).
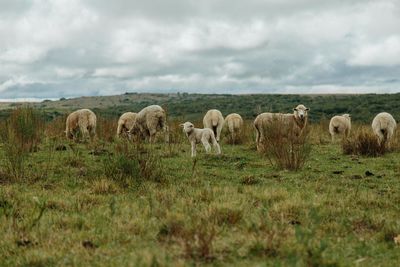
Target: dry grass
point(284, 146)
point(363, 142)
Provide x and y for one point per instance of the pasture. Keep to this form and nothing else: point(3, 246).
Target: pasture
point(120, 203)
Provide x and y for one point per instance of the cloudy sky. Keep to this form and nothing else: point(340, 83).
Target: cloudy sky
point(67, 48)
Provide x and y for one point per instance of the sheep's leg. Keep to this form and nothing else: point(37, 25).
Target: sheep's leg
point(92, 132)
point(152, 137)
point(217, 147)
point(389, 138)
point(193, 149)
point(219, 129)
point(206, 144)
point(380, 136)
point(333, 137)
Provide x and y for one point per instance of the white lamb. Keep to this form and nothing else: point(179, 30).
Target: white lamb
point(384, 127)
point(297, 120)
point(126, 123)
point(340, 125)
point(83, 121)
point(214, 121)
point(235, 124)
point(196, 135)
point(149, 121)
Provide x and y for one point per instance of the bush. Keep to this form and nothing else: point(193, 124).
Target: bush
point(133, 161)
point(107, 128)
point(20, 134)
point(285, 146)
point(364, 143)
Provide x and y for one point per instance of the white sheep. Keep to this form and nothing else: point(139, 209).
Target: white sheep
point(234, 123)
point(149, 121)
point(125, 123)
point(340, 125)
point(82, 120)
point(384, 127)
point(214, 121)
point(297, 120)
point(196, 135)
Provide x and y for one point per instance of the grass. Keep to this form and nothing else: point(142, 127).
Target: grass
point(234, 209)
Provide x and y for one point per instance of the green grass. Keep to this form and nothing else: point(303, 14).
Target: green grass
point(235, 209)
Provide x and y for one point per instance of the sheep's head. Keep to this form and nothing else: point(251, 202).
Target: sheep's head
point(187, 127)
point(347, 116)
point(301, 112)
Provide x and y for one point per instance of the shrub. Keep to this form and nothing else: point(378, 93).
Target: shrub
point(133, 161)
point(363, 143)
point(21, 134)
point(285, 146)
point(56, 127)
point(106, 128)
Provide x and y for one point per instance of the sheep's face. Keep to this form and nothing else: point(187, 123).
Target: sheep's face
point(347, 116)
point(301, 112)
point(187, 127)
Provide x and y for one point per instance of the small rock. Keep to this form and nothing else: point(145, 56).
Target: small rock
point(89, 244)
point(368, 173)
point(61, 148)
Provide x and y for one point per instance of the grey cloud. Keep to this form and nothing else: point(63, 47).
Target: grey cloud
point(67, 48)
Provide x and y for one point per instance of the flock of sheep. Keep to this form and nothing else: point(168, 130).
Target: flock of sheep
point(152, 119)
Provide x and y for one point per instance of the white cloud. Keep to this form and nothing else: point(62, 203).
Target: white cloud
point(385, 53)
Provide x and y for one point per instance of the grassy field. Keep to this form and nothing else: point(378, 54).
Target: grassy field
point(115, 203)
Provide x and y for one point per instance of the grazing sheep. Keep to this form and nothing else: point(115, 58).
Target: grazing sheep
point(82, 120)
point(149, 121)
point(235, 124)
point(384, 127)
point(214, 121)
point(340, 125)
point(125, 123)
point(298, 120)
point(196, 135)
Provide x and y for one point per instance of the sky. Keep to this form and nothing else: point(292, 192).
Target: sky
point(69, 48)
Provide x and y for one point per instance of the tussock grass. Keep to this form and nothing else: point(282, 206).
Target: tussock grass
point(365, 143)
point(284, 146)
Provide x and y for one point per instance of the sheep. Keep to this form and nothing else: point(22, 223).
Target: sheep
point(340, 125)
point(384, 127)
point(82, 120)
point(214, 121)
point(125, 123)
point(196, 135)
point(149, 121)
point(298, 119)
point(235, 124)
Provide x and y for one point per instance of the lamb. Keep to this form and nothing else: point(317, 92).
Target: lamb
point(82, 120)
point(125, 123)
point(214, 121)
point(384, 127)
point(235, 124)
point(297, 120)
point(196, 135)
point(149, 121)
point(340, 125)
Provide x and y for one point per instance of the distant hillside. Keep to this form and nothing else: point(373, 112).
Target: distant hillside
point(192, 106)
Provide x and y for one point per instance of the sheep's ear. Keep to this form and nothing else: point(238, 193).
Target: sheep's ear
point(307, 109)
point(181, 125)
point(295, 109)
